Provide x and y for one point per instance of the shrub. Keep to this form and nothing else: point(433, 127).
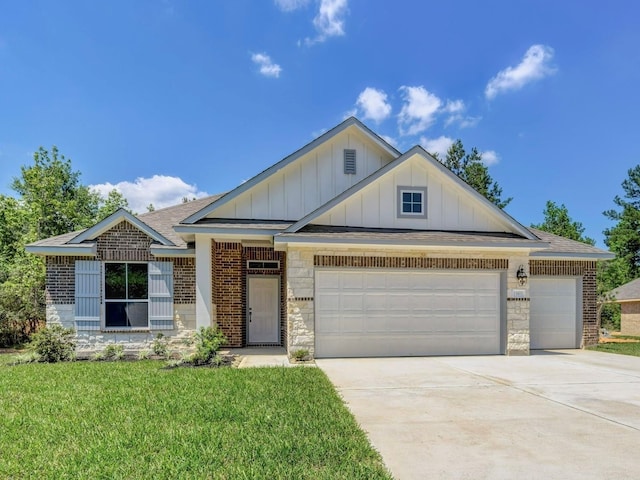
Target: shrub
point(160, 346)
point(114, 351)
point(208, 341)
point(300, 355)
point(54, 344)
point(144, 354)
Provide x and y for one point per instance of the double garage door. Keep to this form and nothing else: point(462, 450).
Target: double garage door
point(363, 313)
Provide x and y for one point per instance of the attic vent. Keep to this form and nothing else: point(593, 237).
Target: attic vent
point(349, 161)
point(261, 265)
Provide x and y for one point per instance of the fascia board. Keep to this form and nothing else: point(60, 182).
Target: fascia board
point(63, 250)
point(351, 121)
point(112, 220)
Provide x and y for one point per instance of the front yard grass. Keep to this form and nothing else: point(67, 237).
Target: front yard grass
point(136, 420)
point(627, 348)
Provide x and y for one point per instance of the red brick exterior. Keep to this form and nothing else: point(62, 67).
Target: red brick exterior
point(411, 262)
point(123, 242)
point(586, 270)
point(229, 287)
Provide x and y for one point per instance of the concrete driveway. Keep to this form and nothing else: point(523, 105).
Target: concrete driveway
point(563, 414)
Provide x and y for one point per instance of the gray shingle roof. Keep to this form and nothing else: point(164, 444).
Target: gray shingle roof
point(559, 245)
point(628, 291)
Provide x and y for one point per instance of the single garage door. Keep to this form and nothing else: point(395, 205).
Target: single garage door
point(554, 317)
point(361, 313)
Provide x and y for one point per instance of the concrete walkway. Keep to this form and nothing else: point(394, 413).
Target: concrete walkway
point(561, 415)
point(261, 357)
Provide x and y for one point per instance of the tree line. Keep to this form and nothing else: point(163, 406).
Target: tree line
point(51, 200)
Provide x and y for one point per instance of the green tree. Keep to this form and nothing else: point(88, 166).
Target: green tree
point(470, 168)
point(51, 192)
point(50, 201)
point(558, 221)
point(114, 201)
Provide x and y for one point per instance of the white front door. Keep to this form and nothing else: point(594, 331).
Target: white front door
point(263, 310)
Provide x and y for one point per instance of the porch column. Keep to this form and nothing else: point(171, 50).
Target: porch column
point(203, 281)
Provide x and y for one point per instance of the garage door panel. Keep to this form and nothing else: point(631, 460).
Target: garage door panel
point(407, 313)
point(554, 315)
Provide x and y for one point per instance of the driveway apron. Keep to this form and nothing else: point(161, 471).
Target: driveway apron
point(561, 414)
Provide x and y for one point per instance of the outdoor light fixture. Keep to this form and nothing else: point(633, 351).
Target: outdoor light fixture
point(522, 275)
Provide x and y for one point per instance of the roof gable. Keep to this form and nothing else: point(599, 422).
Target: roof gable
point(266, 207)
point(451, 203)
point(112, 220)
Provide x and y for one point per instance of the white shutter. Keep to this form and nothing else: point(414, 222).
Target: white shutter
point(87, 294)
point(161, 295)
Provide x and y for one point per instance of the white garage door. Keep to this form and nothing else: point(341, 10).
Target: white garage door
point(362, 313)
point(554, 319)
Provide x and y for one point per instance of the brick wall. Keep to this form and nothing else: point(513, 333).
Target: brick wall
point(123, 242)
point(586, 270)
point(227, 290)
point(229, 287)
point(630, 321)
point(410, 262)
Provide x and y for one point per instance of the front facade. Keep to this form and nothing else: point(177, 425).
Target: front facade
point(345, 248)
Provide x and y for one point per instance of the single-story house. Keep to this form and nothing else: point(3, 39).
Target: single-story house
point(628, 296)
point(347, 247)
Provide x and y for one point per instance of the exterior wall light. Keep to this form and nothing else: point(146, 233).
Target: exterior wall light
point(522, 276)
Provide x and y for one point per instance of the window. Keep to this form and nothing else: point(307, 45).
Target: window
point(263, 265)
point(412, 202)
point(349, 161)
point(126, 295)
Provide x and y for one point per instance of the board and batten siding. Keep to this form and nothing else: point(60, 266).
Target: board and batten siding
point(449, 205)
point(309, 182)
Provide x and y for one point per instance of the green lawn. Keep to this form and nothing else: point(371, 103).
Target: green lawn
point(622, 348)
point(131, 420)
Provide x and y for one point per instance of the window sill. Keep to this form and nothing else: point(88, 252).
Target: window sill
point(125, 330)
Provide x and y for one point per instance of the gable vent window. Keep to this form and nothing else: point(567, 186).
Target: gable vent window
point(412, 202)
point(263, 265)
point(349, 161)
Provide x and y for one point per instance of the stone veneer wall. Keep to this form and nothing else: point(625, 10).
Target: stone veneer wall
point(301, 265)
point(630, 320)
point(586, 270)
point(229, 286)
point(123, 242)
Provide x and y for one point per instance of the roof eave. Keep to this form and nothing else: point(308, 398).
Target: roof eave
point(466, 245)
point(351, 121)
point(172, 252)
point(573, 256)
point(85, 250)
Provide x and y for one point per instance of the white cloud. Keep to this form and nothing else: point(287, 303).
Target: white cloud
point(534, 65)
point(490, 157)
point(419, 110)
point(373, 104)
point(267, 67)
point(160, 190)
point(438, 145)
point(290, 5)
point(329, 21)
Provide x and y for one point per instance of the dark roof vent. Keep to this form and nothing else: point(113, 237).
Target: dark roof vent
point(349, 161)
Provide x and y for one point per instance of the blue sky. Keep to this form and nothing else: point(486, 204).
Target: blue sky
point(167, 98)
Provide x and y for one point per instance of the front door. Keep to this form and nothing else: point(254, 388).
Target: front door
point(263, 310)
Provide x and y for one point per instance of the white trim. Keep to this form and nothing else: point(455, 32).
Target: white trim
point(351, 121)
point(114, 219)
point(401, 190)
point(204, 307)
point(417, 150)
point(88, 250)
point(169, 252)
point(573, 256)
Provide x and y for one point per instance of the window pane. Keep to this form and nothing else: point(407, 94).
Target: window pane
point(138, 280)
point(138, 314)
point(116, 315)
point(417, 208)
point(406, 208)
point(417, 198)
point(406, 196)
point(115, 280)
